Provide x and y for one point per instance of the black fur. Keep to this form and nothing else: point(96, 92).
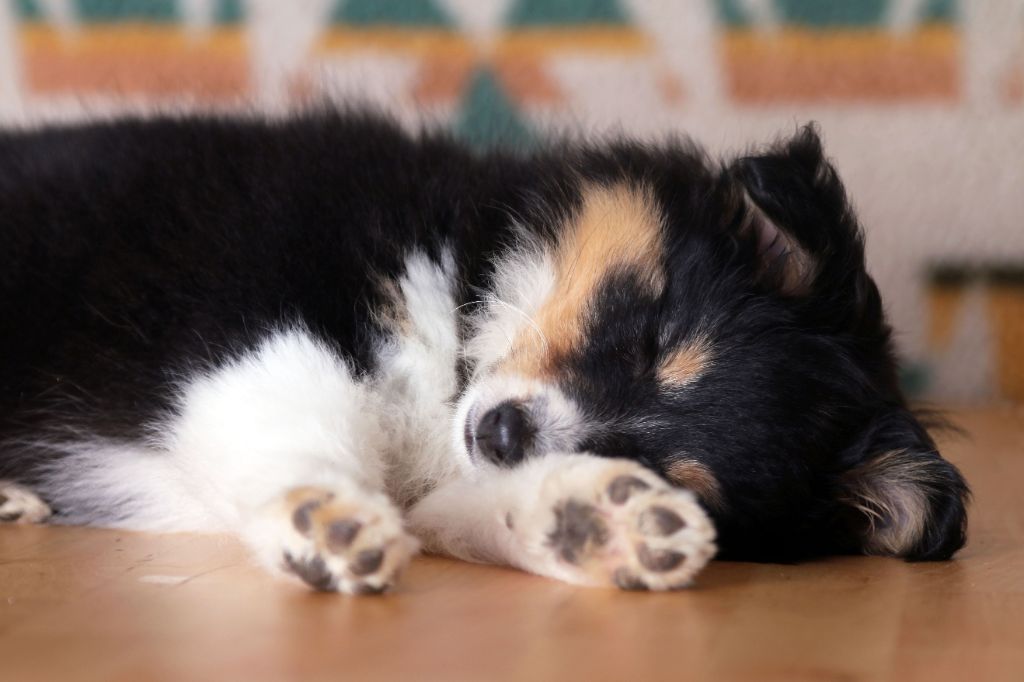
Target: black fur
point(136, 252)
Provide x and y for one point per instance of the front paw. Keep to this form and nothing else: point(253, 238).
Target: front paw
point(615, 523)
point(352, 543)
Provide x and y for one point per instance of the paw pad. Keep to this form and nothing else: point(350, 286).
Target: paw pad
point(660, 521)
point(312, 571)
point(341, 534)
point(620, 489)
point(625, 580)
point(367, 561)
point(612, 522)
point(577, 525)
point(658, 560)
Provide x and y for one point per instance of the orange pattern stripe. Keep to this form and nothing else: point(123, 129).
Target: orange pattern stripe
point(133, 59)
point(796, 65)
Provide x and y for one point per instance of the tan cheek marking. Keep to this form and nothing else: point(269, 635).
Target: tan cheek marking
point(618, 227)
point(691, 474)
point(684, 364)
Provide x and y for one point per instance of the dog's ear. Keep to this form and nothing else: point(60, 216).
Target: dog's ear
point(796, 213)
point(901, 497)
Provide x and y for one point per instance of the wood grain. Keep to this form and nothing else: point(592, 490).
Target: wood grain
point(85, 604)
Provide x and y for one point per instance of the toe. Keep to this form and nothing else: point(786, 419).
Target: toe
point(312, 571)
point(660, 521)
point(625, 580)
point(341, 534)
point(623, 487)
point(577, 527)
point(659, 560)
point(367, 561)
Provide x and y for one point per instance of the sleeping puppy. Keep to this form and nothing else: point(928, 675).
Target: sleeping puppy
point(343, 343)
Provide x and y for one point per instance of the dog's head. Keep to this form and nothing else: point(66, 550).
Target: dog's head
point(717, 324)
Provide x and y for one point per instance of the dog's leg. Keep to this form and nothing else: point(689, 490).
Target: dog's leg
point(281, 445)
point(18, 504)
point(579, 518)
point(296, 442)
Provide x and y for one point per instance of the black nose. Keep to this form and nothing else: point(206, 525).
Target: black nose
point(503, 434)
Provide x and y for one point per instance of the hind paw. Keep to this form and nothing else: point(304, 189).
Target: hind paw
point(20, 505)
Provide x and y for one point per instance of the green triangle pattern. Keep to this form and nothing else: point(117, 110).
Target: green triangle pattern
point(411, 13)
point(942, 11)
point(229, 12)
point(156, 11)
point(825, 15)
point(732, 14)
point(108, 11)
point(566, 13)
point(28, 9)
point(488, 119)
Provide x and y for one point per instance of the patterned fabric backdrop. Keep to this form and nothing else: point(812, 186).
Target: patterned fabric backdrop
point(921, 103)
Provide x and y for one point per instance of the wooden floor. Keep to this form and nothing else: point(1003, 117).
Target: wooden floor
point(79, 604)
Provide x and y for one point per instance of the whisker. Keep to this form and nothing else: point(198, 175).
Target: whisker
point(529, 320)
point(460, 307)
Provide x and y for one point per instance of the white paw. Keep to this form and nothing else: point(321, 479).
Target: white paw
point(20, 505)
point(613, 522)
point(352, 543)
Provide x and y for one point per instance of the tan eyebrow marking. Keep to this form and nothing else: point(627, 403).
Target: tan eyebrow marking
point(686, 363)
point(618, 227)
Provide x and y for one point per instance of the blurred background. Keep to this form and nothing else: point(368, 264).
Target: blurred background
point(921, 104)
